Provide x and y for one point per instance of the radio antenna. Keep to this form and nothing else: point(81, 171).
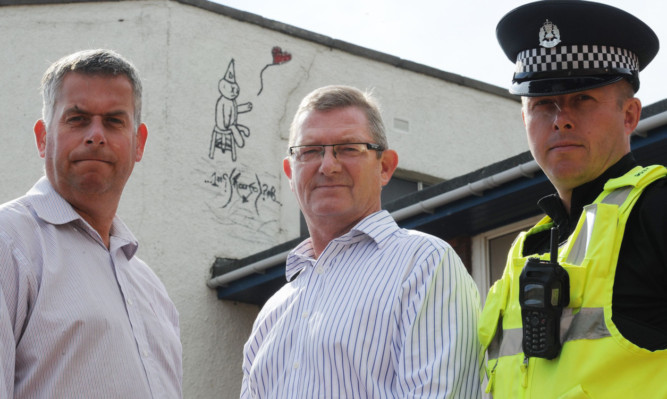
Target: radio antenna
point(554, 245)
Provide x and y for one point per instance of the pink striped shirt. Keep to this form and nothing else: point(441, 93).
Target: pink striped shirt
point(78, 320)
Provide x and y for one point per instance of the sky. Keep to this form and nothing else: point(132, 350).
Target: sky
point(453, 36)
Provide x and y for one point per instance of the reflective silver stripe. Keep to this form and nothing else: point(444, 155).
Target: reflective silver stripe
point(494, 345)
point(511, 343)
point(578, 252)
point(588, 323)
point(618, 196)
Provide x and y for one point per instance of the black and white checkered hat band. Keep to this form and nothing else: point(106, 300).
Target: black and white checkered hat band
point(575, 57)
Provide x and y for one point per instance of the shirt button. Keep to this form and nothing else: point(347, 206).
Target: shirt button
point(296, 365)
point(305, 315)
point(129, 302)
point(319, 270)
point(145, 353)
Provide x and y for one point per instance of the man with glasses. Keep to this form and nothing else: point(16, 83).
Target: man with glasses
point(371, 310)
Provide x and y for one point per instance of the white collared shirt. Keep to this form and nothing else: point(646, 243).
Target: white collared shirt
point(383, 312)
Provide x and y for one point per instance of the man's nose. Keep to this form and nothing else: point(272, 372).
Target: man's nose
point(329, 163)
point(95, 133)
point(562, 118)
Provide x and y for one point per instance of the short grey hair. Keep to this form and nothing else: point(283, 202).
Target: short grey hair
point(333, 97)
point(99, 62)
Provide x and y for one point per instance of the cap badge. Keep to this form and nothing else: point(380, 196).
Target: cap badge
point(549, 35)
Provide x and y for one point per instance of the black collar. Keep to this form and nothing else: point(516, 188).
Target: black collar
point(582, 196)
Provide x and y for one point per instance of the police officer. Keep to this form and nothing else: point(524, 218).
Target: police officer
point(577, 71)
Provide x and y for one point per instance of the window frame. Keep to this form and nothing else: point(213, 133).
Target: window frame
point(481, 267)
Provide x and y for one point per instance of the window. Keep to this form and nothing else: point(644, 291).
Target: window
point(490, 250)
point(398, 187)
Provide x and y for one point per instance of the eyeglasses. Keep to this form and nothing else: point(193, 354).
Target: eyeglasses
point(344, 151)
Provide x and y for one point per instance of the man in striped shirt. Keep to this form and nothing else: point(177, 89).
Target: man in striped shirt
point(371, 310)
point(80, 315)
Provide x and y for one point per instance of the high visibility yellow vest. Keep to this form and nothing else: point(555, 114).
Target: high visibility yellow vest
point(595, 360)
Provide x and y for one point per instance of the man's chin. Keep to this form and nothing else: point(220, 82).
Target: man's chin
point(92, 183)
point(568, 177)
point(333, 209)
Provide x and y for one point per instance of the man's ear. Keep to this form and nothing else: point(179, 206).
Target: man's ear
point(40, 137)
point(523, 117)
point(142, 135)
point(389, 163)
point(287, 168)
point(632, 112)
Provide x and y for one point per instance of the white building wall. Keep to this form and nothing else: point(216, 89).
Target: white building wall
point(186, 208)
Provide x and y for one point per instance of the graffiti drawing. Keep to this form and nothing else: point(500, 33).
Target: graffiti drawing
point(241, 197)
point(245, 201)
point(228, 134)
point(243, 191)
point(279, 57)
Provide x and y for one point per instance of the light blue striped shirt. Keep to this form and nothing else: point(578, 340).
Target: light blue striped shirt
point(384, 312)
point(78, 320)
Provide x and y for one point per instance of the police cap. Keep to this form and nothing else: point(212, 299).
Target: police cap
point(564, 46)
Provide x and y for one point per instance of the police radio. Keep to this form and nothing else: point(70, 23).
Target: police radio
point(544, 292)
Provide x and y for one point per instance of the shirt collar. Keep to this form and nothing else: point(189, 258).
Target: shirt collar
point(49, 205)
point(377, 226)
point(54, 209)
